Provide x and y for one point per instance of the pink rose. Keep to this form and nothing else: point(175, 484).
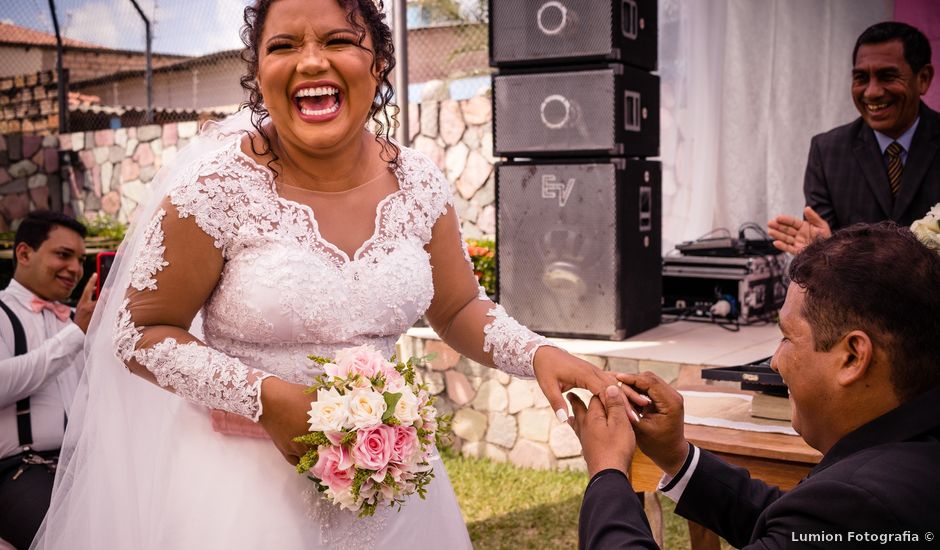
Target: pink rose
point(335, 371)
point(404, 445)
point(364, 360)
point(334, 468)
point(373, 447)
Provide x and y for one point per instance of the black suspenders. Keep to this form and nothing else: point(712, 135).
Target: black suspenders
point(24, 428)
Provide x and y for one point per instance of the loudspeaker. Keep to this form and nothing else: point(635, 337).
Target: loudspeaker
point(579, 246)
point(539, 32)
point(608, 110)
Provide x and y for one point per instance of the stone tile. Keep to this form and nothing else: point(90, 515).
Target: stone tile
point(50, 161)
point(78, 141)
point(529, 454)
point(31, 145)
point(170, 135)
point(486, 221)
point(14, 147)
point(15, 186)
point(491, 397)
point(37, 180)
point(143, 155)
point(444, 356)
point(477, 110)
point(469, 425)
point(120, 137)
point(187, 129)
point(563, 441)
point(455, 160)
point(520, 395)
point(502, 430)
point(107, 176)
point(4, 177)
point(111, 203)
point(459, 389)
point(117, 153)
point(101, 154)
point(50, 141)
point(535, 424)
point(432, 150)
point(40, 197)
point(452, 125)
point(22, 169)
point(474, 175)
point(104, 138)
point(473, 369)
point(153, 131)
point(130, 170)
point(434, 382)
point(429, 113)
point(15, 206)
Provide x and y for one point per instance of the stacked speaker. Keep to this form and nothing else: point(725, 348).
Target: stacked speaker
point(576, 114)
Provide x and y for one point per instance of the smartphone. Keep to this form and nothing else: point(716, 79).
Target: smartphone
point(103, 261)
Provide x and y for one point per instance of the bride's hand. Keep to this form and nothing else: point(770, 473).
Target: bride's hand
point(284, 415)
point(558, 371)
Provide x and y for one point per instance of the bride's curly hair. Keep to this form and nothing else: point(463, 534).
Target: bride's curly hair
point(364, 16)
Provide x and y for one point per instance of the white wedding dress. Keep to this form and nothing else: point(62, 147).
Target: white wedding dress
point(144, 469)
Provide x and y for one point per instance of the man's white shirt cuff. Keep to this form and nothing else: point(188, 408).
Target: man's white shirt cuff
point(675, 492)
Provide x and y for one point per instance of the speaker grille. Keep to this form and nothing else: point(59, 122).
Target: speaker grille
point(558, 233)
point(559, 111)
point(551, 29)
point(579, 246)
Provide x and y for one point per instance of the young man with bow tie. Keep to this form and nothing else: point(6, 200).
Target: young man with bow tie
point(41, 361)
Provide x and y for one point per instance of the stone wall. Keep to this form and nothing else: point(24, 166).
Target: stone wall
point(108, 171)
point(84, 173)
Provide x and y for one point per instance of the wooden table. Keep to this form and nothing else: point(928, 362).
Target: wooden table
point(777, 459)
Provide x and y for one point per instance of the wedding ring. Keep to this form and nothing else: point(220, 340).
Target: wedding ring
point(619, 384)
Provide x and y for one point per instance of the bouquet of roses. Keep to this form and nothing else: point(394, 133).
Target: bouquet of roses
point(372, 430)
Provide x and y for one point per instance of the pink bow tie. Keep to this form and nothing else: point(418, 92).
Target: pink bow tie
point(61, 311)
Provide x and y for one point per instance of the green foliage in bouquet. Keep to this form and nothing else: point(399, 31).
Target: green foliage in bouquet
point(483, 255)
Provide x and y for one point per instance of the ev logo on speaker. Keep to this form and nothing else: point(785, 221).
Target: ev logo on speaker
point(552, 188)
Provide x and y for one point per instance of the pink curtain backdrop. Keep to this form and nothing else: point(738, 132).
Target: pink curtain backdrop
point(925, 15)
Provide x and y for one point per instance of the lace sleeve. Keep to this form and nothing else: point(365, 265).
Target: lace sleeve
point(172, 276)
point(460, 312)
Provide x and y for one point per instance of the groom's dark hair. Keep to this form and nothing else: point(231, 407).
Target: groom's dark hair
point(881, 280)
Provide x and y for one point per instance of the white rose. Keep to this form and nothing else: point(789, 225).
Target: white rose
point(345, 499)
point(329, 412)
point(366, 408)
point(406, 410)
point(927, 229)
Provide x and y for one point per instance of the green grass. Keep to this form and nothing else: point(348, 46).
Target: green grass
point(506, 507)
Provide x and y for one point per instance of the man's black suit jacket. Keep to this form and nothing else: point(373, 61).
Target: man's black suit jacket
point(846, 178)
point(883, 478)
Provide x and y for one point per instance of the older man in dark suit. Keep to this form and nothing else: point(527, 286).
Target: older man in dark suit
point(859, 355)
point(886, 164)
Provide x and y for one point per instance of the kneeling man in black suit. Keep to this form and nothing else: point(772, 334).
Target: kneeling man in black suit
point(860, 354)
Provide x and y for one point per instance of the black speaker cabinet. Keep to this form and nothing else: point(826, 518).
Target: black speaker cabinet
point(607, 110)
point(579, 246)
point(540, 32)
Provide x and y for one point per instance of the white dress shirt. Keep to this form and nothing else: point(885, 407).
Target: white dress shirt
point(48, 373)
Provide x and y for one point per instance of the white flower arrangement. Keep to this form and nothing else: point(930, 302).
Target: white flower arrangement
point(927, 229)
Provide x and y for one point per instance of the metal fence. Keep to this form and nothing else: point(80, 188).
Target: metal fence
point(195, 62)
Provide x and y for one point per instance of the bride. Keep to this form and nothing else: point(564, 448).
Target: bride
point(284, 231)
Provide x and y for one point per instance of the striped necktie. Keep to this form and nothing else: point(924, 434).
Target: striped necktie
point(893, 154)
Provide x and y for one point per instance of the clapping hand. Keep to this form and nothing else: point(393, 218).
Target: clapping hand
point(792, 235)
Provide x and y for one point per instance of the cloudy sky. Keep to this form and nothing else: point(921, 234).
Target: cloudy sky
point(191, 27)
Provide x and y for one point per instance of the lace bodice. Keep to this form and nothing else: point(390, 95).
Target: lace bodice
point(280, 291)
